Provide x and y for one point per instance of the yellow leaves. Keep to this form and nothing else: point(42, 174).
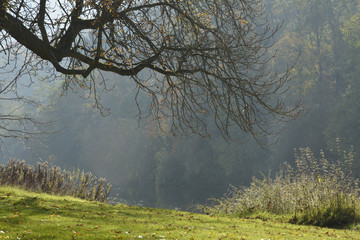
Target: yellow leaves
point(242, 21)
point(109, 64)
point(5, 5)
point(119, 50)
point(162, 29)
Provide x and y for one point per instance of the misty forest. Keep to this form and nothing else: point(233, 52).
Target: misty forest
point(174, 104)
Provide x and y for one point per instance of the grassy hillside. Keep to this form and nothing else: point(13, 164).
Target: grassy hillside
point(28, 215)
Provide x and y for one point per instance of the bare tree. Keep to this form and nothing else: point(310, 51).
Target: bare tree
point(15, 121)
point(199, 58)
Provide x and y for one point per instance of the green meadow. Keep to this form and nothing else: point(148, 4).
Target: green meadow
point(30, 215)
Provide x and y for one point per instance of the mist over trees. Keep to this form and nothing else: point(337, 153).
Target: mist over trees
point(146, 162)
point(326, 71)
point(143, 162)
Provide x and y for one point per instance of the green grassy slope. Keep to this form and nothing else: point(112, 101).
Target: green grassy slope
point(27, 215)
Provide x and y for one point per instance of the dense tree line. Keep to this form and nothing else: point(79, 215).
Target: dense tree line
point(323, 33)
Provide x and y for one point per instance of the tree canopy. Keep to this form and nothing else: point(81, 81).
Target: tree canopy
point(194, 59)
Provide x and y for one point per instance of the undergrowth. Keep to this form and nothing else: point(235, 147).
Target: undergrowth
point(315, 191)
point(53, 180)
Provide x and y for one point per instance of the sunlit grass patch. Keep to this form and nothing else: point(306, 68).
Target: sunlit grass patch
point(28, 215)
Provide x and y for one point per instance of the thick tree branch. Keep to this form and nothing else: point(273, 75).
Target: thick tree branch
point(200, 58)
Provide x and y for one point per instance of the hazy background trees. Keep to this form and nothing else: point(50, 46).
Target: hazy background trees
point(147, 164)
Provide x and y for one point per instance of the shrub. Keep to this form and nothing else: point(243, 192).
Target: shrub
point(315, 191)
point(53, 180)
